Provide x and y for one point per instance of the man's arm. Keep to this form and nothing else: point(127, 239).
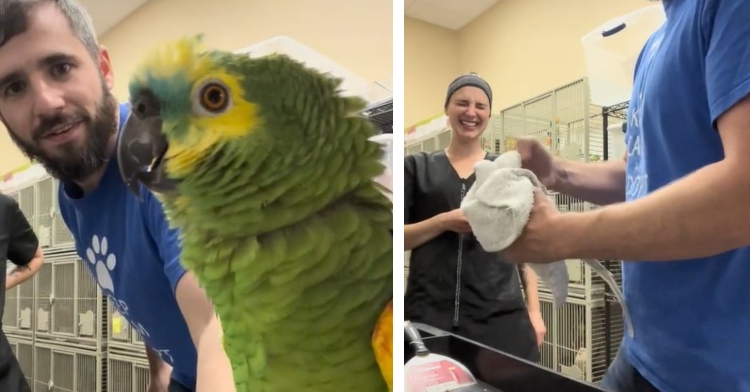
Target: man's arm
point(160, 371)
point(703, 214)
point(706, 212)
point(600, 183)
point(214, 369)
point(214, 373)
point(23, 246)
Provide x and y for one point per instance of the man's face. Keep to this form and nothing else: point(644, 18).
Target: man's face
point(468, 112)
point(55, 99)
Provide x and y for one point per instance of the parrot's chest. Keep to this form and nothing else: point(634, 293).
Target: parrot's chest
point(298, 306)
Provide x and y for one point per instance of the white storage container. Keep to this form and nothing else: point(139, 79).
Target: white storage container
point(612, 49)
point(616, 140)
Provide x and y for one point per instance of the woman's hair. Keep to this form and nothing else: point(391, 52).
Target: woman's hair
point(470, 79)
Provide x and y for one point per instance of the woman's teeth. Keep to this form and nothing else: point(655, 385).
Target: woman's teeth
point(469, 123)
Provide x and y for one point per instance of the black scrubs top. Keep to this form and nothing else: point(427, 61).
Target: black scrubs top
point(18, 243)
point(453, 284)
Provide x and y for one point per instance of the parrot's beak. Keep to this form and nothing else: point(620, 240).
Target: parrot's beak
point(141, 148)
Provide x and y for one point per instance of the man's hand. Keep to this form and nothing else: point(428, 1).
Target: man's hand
point(536, 158)
point(160, 381)
point(601, 183)
point(455, 221)
point(539, 240)
point(159, 370)
point(539, 328)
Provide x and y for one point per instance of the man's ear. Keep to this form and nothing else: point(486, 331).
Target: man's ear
point(105, 67)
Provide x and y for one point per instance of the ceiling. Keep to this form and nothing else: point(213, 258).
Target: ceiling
point(451, 14)
point(106, 14)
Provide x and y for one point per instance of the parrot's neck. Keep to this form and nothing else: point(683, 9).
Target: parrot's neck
point(254, 199)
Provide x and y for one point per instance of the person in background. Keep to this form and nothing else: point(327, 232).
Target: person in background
point(675, 208)
point(453, 284)
point(57, 105)
point(20, 245)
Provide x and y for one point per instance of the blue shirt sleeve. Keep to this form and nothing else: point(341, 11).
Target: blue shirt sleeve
point(167, 239)
point(727, 34)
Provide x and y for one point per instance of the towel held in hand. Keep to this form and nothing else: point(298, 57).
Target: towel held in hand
point(499, 205)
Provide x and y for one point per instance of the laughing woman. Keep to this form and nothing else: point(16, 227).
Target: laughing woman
point(453, 284)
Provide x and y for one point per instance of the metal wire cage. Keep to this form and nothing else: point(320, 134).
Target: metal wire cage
point(38, 202)
point(127, 373)
point(67, 369)
point(18, 317)
point(121, 336)
point(23, 349)
point(579, 340)
point(69, 304)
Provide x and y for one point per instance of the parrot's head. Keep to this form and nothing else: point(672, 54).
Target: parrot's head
point(197, 113)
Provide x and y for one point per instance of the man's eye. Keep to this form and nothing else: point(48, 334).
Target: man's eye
point(61, 69)
point(14, 88)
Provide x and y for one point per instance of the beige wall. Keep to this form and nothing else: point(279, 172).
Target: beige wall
point(357, 34)
point(522, 47)
point(430, 62)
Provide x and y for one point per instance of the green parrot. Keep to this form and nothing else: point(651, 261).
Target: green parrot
point(269, 173)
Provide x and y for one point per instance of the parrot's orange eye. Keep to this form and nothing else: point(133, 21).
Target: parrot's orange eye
point(214, 97)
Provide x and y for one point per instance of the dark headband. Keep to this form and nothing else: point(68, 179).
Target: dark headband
point(471, 79)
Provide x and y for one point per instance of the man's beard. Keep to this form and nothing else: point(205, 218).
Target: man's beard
point(73, 163)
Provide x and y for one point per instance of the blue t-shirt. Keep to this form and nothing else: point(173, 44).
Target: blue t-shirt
point(135, 257)
point(691, 317)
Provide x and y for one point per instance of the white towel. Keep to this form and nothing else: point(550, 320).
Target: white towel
point(498, 206)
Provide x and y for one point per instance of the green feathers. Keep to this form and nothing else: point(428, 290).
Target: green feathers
point(281, 219)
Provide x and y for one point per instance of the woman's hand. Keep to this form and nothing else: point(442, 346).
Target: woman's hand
point(455, 221)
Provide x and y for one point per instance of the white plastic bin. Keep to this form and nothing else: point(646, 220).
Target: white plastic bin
point(616, 140)
point(610, 60)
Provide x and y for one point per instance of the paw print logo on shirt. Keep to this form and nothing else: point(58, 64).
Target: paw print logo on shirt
point(103, 263)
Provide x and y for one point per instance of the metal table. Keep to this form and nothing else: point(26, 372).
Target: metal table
point(495, 371)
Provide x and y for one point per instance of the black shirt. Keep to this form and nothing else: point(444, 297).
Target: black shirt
point(453, 282)
point(18, 242)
